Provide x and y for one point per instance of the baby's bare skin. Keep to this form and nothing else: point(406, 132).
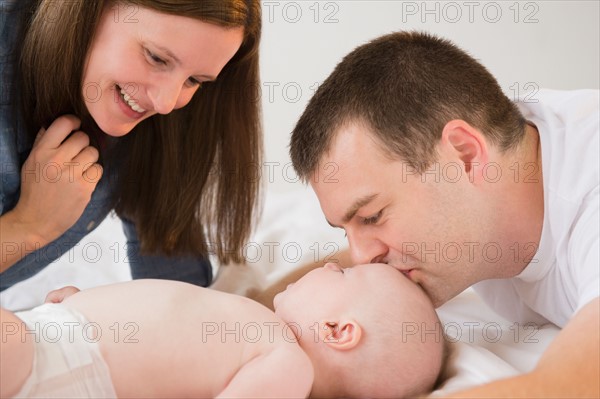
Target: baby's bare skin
point(178, 340)
point(170, 339)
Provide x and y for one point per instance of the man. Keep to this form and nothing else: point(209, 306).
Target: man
point(413, 149)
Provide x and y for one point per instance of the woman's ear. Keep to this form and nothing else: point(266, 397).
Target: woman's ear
point(467, 145)
point(340, 335)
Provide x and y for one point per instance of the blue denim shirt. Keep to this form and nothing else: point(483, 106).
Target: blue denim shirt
point(14, 150)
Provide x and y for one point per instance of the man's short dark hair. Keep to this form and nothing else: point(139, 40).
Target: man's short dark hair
point(405, 87)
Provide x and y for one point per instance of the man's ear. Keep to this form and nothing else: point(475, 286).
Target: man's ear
point(461, 140)
point(340, 335)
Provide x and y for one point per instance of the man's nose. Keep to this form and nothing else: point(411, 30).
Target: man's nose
point(366, 249)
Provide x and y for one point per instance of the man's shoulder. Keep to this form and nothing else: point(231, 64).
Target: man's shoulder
point(559, 98)
point(568, 126)
point(569, 106)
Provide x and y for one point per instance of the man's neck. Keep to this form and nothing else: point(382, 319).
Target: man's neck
point(525, 200)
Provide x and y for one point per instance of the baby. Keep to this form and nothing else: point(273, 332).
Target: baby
point(365, 331)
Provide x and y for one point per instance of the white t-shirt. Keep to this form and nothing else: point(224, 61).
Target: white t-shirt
point(564, 274)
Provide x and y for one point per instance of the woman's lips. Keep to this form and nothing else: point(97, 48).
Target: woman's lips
point(127, 110)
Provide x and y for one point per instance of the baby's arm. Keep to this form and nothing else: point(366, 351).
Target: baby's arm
point(285, 372)
point(16, 354)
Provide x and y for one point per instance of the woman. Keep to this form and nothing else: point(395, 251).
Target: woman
point(142, 106)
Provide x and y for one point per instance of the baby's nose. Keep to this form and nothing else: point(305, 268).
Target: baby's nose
point(332, 266)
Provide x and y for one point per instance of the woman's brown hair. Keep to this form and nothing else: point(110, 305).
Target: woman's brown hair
point(184, 177)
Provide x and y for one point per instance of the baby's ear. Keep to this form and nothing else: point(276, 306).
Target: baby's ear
point(340, 335)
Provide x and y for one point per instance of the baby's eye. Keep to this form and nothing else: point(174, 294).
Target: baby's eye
point(373, 219)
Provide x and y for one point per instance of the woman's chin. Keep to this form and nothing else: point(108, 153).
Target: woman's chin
point(116, 133)
point(115, 130)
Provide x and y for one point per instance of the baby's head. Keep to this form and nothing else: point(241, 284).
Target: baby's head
point(369, 331)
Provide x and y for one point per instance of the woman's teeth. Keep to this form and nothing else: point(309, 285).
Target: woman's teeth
point(131, 102)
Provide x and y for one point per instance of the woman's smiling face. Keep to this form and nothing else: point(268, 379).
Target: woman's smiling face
point(143, 63)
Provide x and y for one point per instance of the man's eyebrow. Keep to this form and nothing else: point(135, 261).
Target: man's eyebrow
point(359, 203)
point(177, 60)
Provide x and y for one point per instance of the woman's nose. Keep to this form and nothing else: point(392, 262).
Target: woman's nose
point(164, 97)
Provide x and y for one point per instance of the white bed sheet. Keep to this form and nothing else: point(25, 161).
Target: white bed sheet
point(293, 232)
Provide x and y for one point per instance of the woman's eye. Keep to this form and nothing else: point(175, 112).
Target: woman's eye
point(155, 58)
point(194, 82)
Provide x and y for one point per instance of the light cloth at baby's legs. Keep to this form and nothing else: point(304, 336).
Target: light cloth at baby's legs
point(67, 362)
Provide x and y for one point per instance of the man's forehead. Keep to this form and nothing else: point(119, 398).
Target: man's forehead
point(349, 133)
point(355, 141)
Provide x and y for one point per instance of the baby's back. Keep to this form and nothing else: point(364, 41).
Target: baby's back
point(171, 339)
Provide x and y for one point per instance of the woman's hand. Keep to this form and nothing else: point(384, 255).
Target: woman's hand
point(59, 295)
point(57, 180)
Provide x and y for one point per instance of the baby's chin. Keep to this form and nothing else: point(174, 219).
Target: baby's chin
point(276, 301)
point(277, 298)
